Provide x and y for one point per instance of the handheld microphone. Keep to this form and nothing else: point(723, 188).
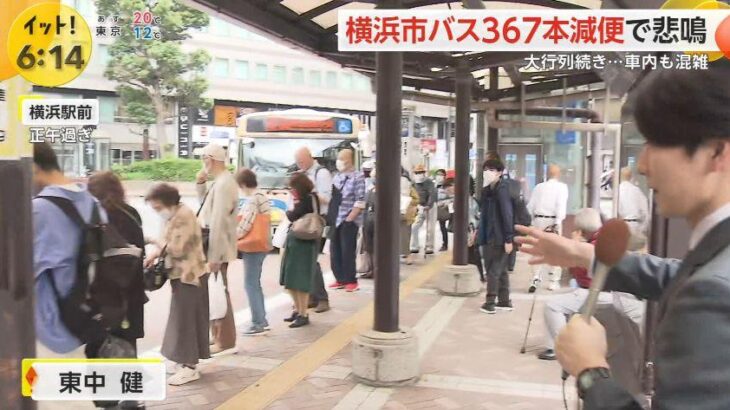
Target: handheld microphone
point(611, 245)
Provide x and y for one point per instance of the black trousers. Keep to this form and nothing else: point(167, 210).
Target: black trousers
point(318, 292)
point(343, 249)
point(512, 259)
point(476, 259)
point(444, 233)
point(495, 264)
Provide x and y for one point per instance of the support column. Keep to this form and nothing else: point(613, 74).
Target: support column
point(16, 252)
point(387, 355)
point(461, 278)
point(481, 149)
point(493, 133)
point(596, 170)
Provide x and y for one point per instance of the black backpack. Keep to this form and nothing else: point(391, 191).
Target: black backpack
point(521, 214)
point(106, 265)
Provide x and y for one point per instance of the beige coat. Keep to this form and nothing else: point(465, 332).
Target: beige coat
point(219, 215)
point(184, 247)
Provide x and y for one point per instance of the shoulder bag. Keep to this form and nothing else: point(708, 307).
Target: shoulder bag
point(258, 239)
point(310, 226)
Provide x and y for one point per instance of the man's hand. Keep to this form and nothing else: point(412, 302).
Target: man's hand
point(202, 177)
point(551, 249)
point(581, 345)
point(508, 248)
point(213, 266)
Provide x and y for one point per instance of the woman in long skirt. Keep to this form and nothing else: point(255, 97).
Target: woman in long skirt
point(300, 256)
point(186, 339)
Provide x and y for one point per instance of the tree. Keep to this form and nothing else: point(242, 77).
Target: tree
point(151, 73)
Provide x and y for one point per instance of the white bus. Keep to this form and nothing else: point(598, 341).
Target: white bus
point(267, 142)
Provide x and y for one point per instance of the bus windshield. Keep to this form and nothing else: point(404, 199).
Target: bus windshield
point(272, 159)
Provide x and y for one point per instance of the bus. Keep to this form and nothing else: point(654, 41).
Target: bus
point(267, 142)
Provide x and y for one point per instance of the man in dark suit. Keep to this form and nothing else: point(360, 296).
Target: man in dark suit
point(685, 117)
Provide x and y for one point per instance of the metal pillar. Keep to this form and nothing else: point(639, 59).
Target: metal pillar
point(389, 73)
point(493, 133)
point(596, 170)
point(481, 150)
point(461, 159)
point(16, 252)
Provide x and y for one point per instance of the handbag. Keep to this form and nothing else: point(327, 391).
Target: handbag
point(258, 239)
point(156, 275)
point(218, 302)
point(310, 226)
point(443, 213)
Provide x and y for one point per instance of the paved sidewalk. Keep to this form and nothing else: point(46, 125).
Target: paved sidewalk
point(470, 360)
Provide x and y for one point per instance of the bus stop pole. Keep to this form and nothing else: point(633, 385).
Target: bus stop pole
point(461, 159)
point(459, 278)
point(16, 252)
point(389, 78)
point(387, 355)
point(492, 132)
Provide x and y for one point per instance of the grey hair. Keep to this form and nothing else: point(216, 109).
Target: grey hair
point(588, 220)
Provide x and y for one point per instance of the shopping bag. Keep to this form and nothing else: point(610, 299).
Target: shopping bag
point(217, 296)
point(279, 239)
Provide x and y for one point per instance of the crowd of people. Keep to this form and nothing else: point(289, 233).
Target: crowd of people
point(198, 246)
point(687, 165)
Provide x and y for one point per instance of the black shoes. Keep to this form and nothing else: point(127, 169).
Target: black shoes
point(300, 321)
point(547, 354)
point(489, 308)
point(293, 317)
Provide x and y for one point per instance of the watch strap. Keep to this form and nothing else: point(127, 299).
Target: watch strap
point(588, 377)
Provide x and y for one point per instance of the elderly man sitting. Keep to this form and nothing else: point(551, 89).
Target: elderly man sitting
point(558, 309)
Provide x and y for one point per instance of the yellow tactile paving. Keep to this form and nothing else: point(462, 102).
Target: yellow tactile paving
point(281, 379)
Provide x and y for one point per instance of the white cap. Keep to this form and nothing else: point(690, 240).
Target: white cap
point(215, 151)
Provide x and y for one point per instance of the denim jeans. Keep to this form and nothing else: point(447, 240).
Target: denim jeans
point(252, 265)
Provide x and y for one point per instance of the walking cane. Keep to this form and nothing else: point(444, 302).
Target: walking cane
point(529, 321)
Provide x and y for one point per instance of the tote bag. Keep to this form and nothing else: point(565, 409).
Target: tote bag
point(217, 296)
point(258, 239)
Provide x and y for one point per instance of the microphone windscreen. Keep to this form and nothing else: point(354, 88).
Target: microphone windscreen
point(612, 241)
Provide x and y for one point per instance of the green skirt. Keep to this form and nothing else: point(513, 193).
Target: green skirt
point(298, 265)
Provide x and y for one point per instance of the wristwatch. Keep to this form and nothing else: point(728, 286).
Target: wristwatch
point(588, 377)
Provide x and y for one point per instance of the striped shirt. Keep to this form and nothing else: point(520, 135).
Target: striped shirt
point(258, 204)
point(352, 187)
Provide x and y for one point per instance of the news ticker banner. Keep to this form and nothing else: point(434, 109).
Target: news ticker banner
point(537, 30)
point(94, 379)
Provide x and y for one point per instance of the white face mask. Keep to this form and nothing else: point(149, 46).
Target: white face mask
point(341, 165)
point(440, 179)
point(420, 178)
point(165, 214)
point(489, 177)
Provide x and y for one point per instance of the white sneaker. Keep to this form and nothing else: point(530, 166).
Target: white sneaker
point(172, 367)
point(183, 376)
